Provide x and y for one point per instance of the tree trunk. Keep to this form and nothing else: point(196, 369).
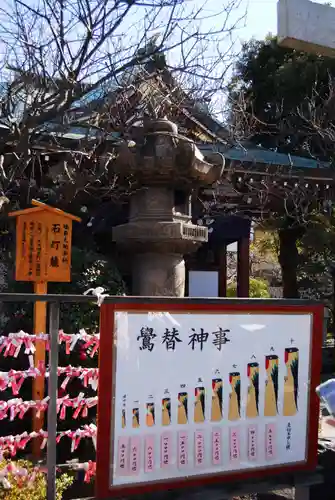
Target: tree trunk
point(288, 260)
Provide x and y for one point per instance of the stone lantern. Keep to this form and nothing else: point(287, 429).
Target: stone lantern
point(159, 231)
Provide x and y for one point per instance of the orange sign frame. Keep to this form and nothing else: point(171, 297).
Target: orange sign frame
point(43, 244)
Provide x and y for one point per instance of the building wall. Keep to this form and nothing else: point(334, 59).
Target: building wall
point(307, 26)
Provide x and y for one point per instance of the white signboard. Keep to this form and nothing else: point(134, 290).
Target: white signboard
point(203, 284)
point(208, 393)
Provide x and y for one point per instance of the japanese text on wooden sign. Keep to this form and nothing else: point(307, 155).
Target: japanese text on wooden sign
point(43, 244)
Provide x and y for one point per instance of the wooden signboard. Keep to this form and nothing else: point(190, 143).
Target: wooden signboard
point(43, 244)
point(43, 254)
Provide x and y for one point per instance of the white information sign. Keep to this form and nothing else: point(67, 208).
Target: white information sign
point(207, 393)
point(203, 284)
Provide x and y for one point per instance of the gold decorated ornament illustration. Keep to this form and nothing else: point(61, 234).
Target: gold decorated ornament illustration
point(199, 405)
point(136, 417)
point(252, 410)
point(290, 406)
point(234, 412)
point(182, 408)
point(216, 414)
point(271, 386)
point(166, 411)
point(150, 416)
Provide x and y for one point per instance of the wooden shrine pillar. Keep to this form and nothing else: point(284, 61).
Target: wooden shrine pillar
point(243, 267)
point(222, 260)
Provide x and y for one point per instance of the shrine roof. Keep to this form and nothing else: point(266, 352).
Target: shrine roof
point(193, 117)
point(255, 154)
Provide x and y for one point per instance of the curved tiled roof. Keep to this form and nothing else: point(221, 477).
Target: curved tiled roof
point(255, 154)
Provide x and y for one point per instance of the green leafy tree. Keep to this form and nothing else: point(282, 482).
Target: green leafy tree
point(258, 288)
point(284, 100)
point(264, 251)
point(317, 257)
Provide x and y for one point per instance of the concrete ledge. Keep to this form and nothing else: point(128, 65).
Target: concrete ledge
point(227, 491)
point(306, 26)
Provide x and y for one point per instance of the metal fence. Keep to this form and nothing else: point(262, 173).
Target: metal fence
point(54, 303)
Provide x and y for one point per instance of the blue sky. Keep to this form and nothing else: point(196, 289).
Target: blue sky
point(261, 18)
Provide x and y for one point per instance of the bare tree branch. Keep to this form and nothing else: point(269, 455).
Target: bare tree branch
point(100, 59)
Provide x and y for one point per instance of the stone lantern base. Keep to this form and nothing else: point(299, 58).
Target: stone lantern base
point(159, 274)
